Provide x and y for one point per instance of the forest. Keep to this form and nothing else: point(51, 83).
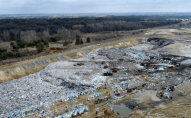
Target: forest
point(39, 32)
point(67, 28)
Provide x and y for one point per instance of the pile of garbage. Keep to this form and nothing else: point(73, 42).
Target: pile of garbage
point(76, 110)
point(67, 80)
point(59, 82)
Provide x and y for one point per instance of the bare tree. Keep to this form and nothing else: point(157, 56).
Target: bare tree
point(45, 34)
point(1, 40)
point(6, 35)
point(63, 33)
point(14, 34)
point(28, 35)
point(78, 27)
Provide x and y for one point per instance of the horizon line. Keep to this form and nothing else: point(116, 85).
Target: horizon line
point(89, 13)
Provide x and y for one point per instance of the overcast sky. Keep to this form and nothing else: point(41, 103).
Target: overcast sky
point(92, 6)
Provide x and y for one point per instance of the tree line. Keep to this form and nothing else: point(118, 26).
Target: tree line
point(67, 28)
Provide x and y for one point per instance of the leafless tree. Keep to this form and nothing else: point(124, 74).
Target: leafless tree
point(14, 34)
point(45, 34)
point(28, 35)
point(78, 27)
point(1, 40)
point(6, 35)
point(63, 33)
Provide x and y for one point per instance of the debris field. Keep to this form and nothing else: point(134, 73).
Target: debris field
point(141, 77)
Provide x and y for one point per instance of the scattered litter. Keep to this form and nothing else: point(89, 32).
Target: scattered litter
point(140, 54)
point(19, 69)
point(162, 68)
point(86, 52)
point(76, 110)
point(60, 58)
point(166, 94)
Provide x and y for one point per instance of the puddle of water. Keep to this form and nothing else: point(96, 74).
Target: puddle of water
point(123, 111)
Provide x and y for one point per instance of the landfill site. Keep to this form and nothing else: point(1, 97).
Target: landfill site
point(150, 79)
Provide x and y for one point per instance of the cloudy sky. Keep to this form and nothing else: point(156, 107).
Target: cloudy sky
point(92, 6)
